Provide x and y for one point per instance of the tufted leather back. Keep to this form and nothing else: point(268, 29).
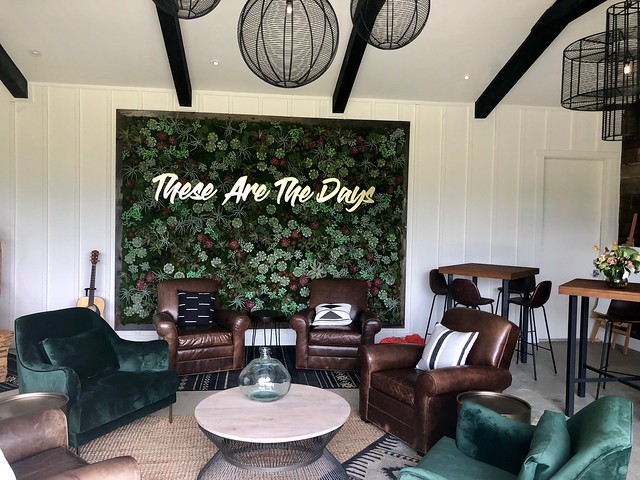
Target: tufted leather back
point(168, 292)
point(340, 290)
point(496, 340)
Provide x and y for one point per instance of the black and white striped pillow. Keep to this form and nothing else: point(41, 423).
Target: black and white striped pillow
point(332, 314)
point(446, 348)
point(196, 308)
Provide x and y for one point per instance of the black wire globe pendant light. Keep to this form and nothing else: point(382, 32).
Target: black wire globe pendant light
point(389, 24)
point(187, 9)
point(288, 43)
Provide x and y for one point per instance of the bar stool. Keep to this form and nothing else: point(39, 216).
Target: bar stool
point(538, 299)
point(516, 287)
point(438, 285)
point(465, 292)
point(619, 312)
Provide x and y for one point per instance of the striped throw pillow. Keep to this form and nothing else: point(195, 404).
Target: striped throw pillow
point(446, 348)
point(332, 314)
point(196, 308)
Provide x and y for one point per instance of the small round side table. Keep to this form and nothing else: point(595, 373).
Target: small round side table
point(266, 319)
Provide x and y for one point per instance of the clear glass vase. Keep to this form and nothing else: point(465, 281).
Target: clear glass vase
point(616, 278)
point(265, 379)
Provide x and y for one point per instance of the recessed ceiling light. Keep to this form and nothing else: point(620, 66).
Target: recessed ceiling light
point(35, 52)
point(215, 63)
point(467, 77)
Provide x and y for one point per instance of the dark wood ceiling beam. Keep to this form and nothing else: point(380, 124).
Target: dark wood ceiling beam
point(348, 71)
point(174, 46)
point(12, 77)
point(543, 33)
point(352, 58)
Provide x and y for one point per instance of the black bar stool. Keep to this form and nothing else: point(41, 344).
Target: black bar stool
point(465, 292)
point(438, 285)
point(516, 287)
point(539, 297)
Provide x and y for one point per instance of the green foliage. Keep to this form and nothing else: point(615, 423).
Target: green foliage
point(265, 252)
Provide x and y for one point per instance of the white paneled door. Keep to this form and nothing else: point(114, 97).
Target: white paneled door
point(572, 216)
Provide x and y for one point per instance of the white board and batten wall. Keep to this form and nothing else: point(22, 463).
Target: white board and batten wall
point(479, 190)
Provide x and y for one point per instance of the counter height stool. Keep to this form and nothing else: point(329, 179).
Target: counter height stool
point(540, 296)
point(465, 292)
point(619, 311)
point(517, 287)
point(438, 285)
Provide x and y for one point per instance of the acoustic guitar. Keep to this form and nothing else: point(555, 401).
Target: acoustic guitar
point(90, 300)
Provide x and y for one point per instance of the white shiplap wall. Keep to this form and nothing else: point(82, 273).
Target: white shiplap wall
point(471, 185)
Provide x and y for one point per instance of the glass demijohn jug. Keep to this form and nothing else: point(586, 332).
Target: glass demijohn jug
point(264, 379)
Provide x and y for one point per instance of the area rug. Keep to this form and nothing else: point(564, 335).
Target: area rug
point(11, 382)
point(286, 354)
point(178, 450)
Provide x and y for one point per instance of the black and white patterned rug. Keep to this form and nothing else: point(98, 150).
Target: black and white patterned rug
point(11, 382)
point(381, 460)
point(286, 354)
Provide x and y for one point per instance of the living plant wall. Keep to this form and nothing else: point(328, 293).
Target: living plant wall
point(263, 205)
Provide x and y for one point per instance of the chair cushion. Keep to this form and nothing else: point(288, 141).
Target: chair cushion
point(344, 336)
point(332, 314)
point(485, 435)
point(445, 461)
point(203, 337)
point(114, 395)
point(196, 308)
point(88, 353)
point(446, 348)
point(550, 448)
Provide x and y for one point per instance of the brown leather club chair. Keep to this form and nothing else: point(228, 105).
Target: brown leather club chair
point(420, 407)
point(334, 348)
point(35, 445)
point(200, 349)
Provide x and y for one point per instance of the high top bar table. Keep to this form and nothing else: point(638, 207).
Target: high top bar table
point(585, 289)
point(505, 273)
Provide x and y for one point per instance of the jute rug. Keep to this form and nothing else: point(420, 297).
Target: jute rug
point(178, 450)
point(286, 354)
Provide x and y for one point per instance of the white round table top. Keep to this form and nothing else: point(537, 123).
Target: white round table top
point(305, 412)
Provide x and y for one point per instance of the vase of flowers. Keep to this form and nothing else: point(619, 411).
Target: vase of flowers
point(617, 263)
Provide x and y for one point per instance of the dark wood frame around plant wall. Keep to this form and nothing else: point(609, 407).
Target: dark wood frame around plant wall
point(264, 248)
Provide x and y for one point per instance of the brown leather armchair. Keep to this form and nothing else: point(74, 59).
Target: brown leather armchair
point(36, 447)
point(420, 407)
point(200, 349)
point(334, 348)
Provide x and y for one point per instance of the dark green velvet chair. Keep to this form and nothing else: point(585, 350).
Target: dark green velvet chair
point(109, 381)
point(594, 444)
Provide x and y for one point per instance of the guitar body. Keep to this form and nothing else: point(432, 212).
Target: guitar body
point(91, 301)
point(98, 304)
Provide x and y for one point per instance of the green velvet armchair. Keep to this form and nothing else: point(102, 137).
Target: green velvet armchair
point(594, 444)
point(109, 381)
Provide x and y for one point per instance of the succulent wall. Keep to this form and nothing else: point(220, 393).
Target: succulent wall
point(294, 200)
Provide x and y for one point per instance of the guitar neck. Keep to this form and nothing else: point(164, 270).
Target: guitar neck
point(92, 285)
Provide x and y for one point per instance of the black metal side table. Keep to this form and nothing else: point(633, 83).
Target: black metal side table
point(266, 319)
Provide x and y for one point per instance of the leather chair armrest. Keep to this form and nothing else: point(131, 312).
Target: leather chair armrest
point(119, 468)
point(167, 330)
point(301, 321)
point(26, 435)
point(443, 381)
point(387, 356)
point(370, 325)
point(135, 356)
point(234, 321)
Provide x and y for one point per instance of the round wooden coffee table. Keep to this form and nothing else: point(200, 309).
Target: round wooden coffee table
point(285, 439)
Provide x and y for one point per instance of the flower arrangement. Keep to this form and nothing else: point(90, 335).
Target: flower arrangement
point(618, 262)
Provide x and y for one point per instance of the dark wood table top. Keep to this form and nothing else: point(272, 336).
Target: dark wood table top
point(489, 270)
point(590, 287)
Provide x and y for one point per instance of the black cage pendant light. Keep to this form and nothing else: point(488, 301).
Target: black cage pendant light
point(621, 75)
point(187, 9)
point(288, 43)
point(389, 24)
